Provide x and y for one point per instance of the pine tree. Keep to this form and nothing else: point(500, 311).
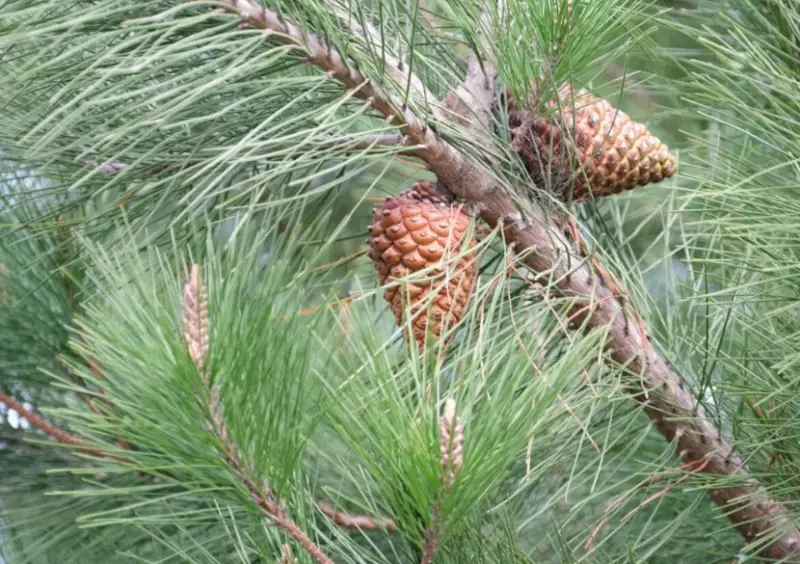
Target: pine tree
point(590, 350)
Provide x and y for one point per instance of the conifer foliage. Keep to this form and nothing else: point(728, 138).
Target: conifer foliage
point(586, 210)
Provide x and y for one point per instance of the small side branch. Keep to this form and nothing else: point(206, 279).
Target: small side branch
point(471, 101)
point(356, 522)
point(62, 436)
point(195, 332)
point(341, 519)
point(264, 498)
point(40, 422)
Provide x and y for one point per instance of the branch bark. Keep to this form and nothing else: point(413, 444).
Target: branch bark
point(546, 250)
point(40, 422)
point(356, 522)
point(53, 431)
point(264, 498)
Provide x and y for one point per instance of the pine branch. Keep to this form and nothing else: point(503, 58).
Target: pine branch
point(53, 431)
point(264, 498)
point(342, 519)
point(195, 330)
point(40, 422)
point(672, 408)
point(547, 250)
point(431, 537)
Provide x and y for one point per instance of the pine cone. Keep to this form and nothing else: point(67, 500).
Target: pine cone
point(591, 144)
point(421, 230)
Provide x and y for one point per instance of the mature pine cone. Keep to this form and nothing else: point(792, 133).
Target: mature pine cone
point(421, 230)
point(589, 144)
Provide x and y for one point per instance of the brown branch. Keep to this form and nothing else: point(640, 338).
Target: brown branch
point(40, 422)
point(669, 404)
point(264, 498)
point(667, 401)
point(545, 249)
point(431, 537)
point(344, 520)
point(356, 522)
point(471, 101)
point(62, 436)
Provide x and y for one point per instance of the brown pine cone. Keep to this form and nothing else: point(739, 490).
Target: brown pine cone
point(418, 230)
point(590, 145)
